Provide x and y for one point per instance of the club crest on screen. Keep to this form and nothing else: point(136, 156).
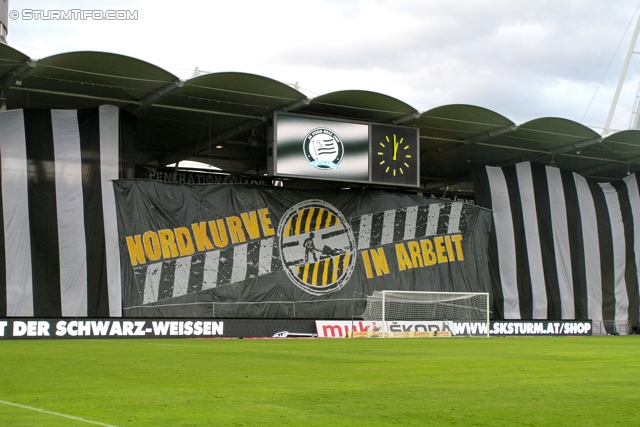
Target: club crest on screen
point(323, 149)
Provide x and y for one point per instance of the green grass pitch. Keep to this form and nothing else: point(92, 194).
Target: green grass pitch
point(541, 381)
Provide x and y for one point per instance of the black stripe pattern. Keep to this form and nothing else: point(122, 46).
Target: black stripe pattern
point(580, 281)
point(59, 148)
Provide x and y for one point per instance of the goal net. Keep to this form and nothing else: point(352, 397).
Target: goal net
point(409, 314)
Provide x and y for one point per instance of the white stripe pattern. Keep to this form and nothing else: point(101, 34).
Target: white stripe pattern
point(532, 235)
point(561, 241)
point(388, 227)
point(634, 199)
point(619, 257)
point(364, 235)
point(266, 254)
point(506, 242)
point(152, 283)
point(211, 265)
point(591, 245)
point(239, 270)
point(181, 279)
point(70, 209)
point(433, 217)
point(410, 223)
point(15, 203)
point(109, 170)
point(454, 218)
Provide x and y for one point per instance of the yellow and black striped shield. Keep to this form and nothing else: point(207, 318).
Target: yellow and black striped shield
point(317, 247)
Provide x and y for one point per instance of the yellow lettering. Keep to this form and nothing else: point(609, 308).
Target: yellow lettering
point(367, 264)
point(250, 221)
point(379, 261)
point(457, 239)
point(427, 252)
point(136, 250)
point(440, 249)
point(200, 233)
point(151, 245)
point(447, 241)
point(265, 222)
point(404, 261)
point(185, 244)
point(235, 229)
point(416, 256)
point(168, 244)
point(219, 233)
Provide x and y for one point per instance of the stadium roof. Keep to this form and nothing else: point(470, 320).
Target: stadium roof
point(186, 120)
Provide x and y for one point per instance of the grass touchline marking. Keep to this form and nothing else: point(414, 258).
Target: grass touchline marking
point(56, 413)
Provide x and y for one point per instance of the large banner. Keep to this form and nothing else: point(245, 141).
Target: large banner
point(254, 252)
point(58, 228)
point(563, 247)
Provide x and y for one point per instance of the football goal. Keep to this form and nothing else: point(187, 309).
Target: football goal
point(414, 314)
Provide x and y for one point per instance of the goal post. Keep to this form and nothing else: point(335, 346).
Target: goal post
point(416, 314)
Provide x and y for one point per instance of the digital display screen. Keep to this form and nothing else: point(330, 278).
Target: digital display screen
point(318, 148)
point(325, 149)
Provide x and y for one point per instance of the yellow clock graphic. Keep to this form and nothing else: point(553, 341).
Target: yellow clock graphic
point(394, 155)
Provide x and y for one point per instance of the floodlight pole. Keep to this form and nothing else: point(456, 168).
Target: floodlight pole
point(623, 75)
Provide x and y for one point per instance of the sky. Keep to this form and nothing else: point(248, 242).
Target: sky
point(523, 59)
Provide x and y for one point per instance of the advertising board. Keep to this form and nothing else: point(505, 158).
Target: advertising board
point(83, 328)
point(410, 329)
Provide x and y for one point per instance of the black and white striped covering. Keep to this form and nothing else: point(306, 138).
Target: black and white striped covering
point(59, 241)
point(165, 280)
point(562, 247)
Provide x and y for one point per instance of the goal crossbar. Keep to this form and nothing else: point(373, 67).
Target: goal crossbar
point(438, 311)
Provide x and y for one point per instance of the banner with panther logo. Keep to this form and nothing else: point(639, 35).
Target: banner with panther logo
point(255, 252)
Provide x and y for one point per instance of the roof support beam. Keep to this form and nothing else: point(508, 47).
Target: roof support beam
point(227, 134)
point(406, 118)
point(565, 149)
point(128, 101)
point(155, 96)
point(296, 105)
point(506, 147)
point(489, 135)
point(75, 95)
point(472, 140)
point(613, 164)
point(17, 73)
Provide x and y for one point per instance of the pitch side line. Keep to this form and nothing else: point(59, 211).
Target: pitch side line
point(44, 411)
